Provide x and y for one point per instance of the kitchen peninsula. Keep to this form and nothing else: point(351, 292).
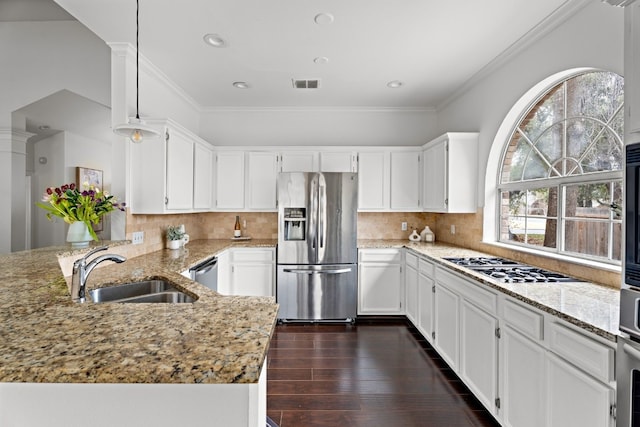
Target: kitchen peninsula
point(129, 364)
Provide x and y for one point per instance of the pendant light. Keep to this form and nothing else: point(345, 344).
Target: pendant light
point(136, 130)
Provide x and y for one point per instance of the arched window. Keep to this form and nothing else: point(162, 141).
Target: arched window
point(560, 184)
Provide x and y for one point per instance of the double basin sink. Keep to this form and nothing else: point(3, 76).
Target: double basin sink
point(145, 291)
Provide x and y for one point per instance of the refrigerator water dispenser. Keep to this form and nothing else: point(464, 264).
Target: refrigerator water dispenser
point(295, 221)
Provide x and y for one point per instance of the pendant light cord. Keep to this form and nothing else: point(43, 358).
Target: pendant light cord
point(137, 61)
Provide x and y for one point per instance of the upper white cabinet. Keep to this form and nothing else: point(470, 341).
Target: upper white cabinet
point(299, 161)
point(450, 173)
point(230, 180)
point(163, 171)
point(338, 161)
point(632, 72)
point(373, 180)
point(405, 180)
point(202, 177)
point(262, 177)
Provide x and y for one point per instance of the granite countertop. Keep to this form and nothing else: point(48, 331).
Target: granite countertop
point(47, 338)
point(591, 306)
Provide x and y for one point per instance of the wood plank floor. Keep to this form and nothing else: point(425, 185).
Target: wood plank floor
point(364, 375)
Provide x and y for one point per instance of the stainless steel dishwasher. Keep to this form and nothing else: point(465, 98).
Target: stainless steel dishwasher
point(206, 273)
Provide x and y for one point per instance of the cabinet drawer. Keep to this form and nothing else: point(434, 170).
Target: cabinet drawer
point(380, 255)
point(412, 260)
point(480, 297)
point(425, 267)
point(252, 255)
point(524, 320)
point(586, 353)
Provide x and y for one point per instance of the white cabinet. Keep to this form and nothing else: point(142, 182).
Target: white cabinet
point(426, 292)
point(202, 177)
point(447, 325)
point(380, 285)
point(411, 287)
point(405, 180)
point(299, 161)
point(262, 177)
point(632, 73)
point(162, 171)
point(230, 180)
point(574, 398)
point(247, 272)
point(450, 173)
point(338, 161)
point(373, 181)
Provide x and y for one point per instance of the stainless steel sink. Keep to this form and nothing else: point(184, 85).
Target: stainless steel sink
point(155, 290)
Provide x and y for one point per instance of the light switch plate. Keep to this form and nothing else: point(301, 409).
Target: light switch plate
point(138, 237)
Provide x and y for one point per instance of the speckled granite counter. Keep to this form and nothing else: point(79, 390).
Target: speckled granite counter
point(590, 306)
point(44, 337)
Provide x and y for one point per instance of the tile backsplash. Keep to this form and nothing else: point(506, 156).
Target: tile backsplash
point(371, 225)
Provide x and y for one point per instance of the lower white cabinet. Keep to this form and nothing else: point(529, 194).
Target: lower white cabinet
point(522, 362)
point(247, 272)
point(447, 325)
point(411, 287)
point(426, 293)
point(380, 285)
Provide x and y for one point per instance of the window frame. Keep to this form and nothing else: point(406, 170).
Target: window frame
point(560, 182)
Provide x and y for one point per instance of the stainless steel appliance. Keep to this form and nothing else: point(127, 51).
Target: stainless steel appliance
point(508, 271)
point(317, 278)
point(206, 273)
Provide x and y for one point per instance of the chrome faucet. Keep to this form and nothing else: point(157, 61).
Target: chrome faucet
point(81, 270)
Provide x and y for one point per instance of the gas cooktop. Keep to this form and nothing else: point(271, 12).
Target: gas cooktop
point(507, 271)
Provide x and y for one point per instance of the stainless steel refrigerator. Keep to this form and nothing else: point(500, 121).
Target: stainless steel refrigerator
point(317, 246)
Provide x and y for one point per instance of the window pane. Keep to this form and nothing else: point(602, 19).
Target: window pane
point(530, 216)
point(587, 237)
point(588, 201)
point(545, 113)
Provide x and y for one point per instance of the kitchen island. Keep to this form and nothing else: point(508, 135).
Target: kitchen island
point(163, 364)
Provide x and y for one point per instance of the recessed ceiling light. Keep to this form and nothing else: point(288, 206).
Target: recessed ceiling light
point(321, 60)
point(241, 85)
point(394, 84)
point(214, 40)
point(324, 19)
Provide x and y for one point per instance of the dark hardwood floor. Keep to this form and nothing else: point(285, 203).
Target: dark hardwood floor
point(364, 375)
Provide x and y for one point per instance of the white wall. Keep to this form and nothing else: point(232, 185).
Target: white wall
point(340, 126)
point(593, 37)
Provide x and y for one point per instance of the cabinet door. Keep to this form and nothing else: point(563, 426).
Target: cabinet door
point(379, 289)
point(179, 172)
point(522, 384)
point(479, 353)
point(337, 161)
point(447, 325)
point(202, 177)
point(411, 294)
point(435, 182)
point(252, 280)
point(230, 180)
point(373, 181)
point(632, 71)
point(262, 179)
point(303, 161)
point(574, 398)
point(425, 306)
point(405, 181)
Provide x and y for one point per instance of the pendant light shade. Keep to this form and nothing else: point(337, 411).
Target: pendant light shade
point(135, 129)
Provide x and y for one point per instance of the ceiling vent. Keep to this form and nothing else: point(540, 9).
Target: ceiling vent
point(306, 84)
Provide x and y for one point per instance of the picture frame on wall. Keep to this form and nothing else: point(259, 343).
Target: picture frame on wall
point(87, 178)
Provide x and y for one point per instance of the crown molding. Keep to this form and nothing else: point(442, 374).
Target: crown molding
point(346, 109)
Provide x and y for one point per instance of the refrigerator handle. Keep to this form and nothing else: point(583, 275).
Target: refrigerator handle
point(322, 209)
point(313, 225)
point(333, 271)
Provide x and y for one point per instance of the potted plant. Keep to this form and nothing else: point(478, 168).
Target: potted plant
point(79, 209)
point(175, 236)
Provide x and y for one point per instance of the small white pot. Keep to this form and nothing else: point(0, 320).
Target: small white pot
point(174, 244)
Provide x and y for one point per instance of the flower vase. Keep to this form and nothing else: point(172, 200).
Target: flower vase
point(78, 235)
point(173, 244)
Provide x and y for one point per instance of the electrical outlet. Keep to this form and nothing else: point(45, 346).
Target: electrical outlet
point(138, 237)
point(404, 226)
point(244, 223)
point(453, 229)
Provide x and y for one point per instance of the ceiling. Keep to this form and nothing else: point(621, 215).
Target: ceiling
point(432, 47)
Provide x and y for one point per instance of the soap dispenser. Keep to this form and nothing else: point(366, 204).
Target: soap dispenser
point(427, 235)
